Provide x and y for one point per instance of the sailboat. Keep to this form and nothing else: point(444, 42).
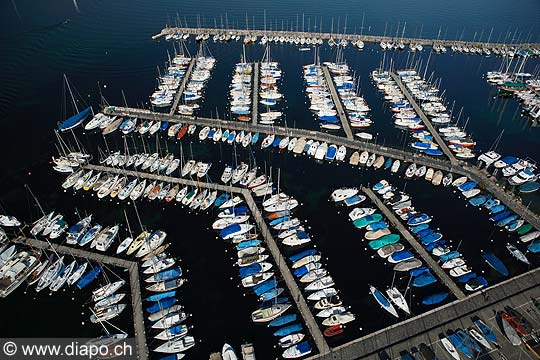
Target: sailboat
point(76, 119)
point(383, 301)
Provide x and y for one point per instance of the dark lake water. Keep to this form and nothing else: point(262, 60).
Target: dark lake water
point(109, 43)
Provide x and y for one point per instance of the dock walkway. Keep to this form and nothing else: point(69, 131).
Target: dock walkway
point(349, 37)
point(425, 120)
point(338, 103)
point(131, 266)
point(182, 86)
point(434, 266)
point(255, 101)
point(295, 291)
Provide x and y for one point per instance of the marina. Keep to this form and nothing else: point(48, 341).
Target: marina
point(131, 266)
point(448, 282)
point(283, 182)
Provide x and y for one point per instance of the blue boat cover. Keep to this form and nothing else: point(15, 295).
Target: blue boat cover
point(465, 278)
point(74, 120)
point(221, 199)
point(169, 274)
point(89, 277)
point(302, 254)
point(246, 244)
point(424, 280)
point(160, 296)
point(246, 271)
point(434, 298)
point(282, 320)
point(265, 286)
point(416, 229)
point(418, 271)
point(162, 304)
point(289, 329)
point(271, 294)
point(495, 263)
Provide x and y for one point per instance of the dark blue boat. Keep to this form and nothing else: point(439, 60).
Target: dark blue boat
point(302, 254)
point(271, 294)
point(500, 216)
point(265, 286)
point(280, 220)
point(449, 256)
point(425, 232)
point(221, 199)
point(405, 355)
point(168, 274)
point(161, 305)
point(431, 238)
point(486, 331)
point(246, 244)
point(75, 120)
point(246, 271)
point(424, 280)
point(301, 271)
point(467, 186)
point(418, 271)
point(468, 341)
point(465, 278)
point(458, 343)
point(497, 209)
point(435, 152)
point(401, 256)
point(229, 230)
point(279, 300)
point(529, 187)
point(161, 296)
point(276, 142)
point(282, 320)
point(287, 330)
point(164, 126)
point(433, 245)
point(495, 263)
point(417, 229)
point(90, 276)
point(434, 298)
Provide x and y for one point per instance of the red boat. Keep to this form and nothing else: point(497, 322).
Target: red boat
point(514, 323)
point(333, 330)
point(243, 118)
point(182, 132)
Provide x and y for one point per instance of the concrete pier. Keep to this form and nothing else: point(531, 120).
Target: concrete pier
point(182, 86)
point(337, 101)
point(131, 266)
point(255, 93)
point(433, 265)
point(349, 37)
point(425, 120)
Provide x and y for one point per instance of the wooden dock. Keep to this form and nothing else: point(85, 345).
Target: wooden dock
point(349, 37)
point(515, 292)
point(352, 144)
point(182, 86)
point(288, 277)
point(131, 266)
point(434, 266)
point(255, 93)
point(425, 120)
point(286, 274)
point(337, 101)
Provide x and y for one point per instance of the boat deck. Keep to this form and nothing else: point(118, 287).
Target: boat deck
point(131, 266)
point(425, 120)
point(182, 86)
point(338, 103)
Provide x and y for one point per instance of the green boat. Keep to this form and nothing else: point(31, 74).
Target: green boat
point(385, 240)
point(525, 228)
point(366, 220)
